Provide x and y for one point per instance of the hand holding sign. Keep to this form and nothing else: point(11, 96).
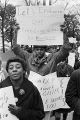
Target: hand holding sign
point(14, 109)
point(6, 98)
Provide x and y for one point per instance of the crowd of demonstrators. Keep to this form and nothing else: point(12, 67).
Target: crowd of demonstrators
point(29, 105)
point(39, 62)
point(72, 93)
point(44, 64)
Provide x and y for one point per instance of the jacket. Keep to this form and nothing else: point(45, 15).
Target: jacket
point(48, 64)
point(72, 94)
point(30, 101)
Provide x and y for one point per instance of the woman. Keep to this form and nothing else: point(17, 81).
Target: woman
point(29, 105)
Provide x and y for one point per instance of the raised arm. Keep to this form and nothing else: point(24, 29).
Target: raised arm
point(63, 53)
point(21, 53)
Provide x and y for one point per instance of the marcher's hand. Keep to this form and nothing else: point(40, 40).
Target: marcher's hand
point(14, 109)
point(17, 46)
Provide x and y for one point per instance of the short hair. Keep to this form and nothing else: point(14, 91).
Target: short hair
point(24, 64)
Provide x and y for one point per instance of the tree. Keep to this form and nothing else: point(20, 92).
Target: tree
point(7, 23)
point(72, 26)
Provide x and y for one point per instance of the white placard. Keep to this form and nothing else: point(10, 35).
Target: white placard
point(6, 98)
point(52, 90)
point(72, 40)
point(63, 84)
point(40, 25)
point(71, 59)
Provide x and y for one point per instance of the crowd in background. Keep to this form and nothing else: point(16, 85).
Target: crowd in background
point(48, 59)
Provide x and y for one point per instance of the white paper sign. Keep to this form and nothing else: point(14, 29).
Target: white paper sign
point(40, 25)
point(63, 84)
point(72, 40)
point(50, 90)
point(6, 98)
point(71, 59)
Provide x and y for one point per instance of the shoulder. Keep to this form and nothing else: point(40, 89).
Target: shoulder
point(5, 83)
point(29, 85)
point(75, 74)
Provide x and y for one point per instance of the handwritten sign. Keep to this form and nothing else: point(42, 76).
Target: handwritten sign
point(63, 83)
point(71, 59)
point(6, 98)
point(40, 25)
point(51, 90)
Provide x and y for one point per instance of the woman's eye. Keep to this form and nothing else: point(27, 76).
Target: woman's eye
point(10, 68)
point(18, 67)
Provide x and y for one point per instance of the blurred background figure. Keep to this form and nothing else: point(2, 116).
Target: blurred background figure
point(63, 70)
point(2, 76)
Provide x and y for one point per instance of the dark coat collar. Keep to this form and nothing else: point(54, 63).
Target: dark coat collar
point(26, 86)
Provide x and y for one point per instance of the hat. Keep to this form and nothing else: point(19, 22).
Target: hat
point(20, 60)
point(39, 46)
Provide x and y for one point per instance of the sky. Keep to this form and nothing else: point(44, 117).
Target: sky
point(22, 2)
point(14, 2)
point(70, 3)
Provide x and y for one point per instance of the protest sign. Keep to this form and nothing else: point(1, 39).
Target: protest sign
point(71, 59)
point(63, 84)
point(50, 90)
point(6, 98)
point(40, 25)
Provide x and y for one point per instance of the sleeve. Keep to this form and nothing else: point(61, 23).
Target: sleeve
point(37, 112)
point(19, 52)
point(71, 94)
point(62, 53)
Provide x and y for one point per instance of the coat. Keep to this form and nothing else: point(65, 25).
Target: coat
point(30, 101)
point(72, 94)
point(49, 63)
point(64, 69)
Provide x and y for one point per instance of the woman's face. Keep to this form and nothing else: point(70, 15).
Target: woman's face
point(15, 71)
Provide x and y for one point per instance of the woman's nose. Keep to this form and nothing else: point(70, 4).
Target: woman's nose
point(14, 69)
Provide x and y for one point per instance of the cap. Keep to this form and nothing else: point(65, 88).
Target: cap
point(39, 46)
